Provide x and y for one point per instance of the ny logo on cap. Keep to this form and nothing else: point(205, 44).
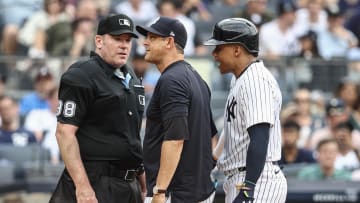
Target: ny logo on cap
point(172, 34)
point(124, 22)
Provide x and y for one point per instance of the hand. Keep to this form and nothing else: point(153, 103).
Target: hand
point(244, 196)
point(85, 195)
point(159, 198)
point(246, 192)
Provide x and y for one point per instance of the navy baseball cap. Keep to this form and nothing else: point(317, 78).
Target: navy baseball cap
point(166, 27)
point(285, 6)
point(116, 25)
point(335, 107)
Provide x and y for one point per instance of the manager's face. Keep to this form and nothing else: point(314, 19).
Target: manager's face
point(155, 47)
point(114, 49)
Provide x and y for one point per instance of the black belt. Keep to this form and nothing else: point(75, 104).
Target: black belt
point(232, 172)
point(128, 175)
point(105, 168)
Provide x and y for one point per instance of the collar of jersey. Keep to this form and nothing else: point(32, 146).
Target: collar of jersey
point(109, 69)
point(252, 62)
point(172, 65)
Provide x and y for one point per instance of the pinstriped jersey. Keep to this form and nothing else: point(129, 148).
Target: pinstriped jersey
point(254, 98)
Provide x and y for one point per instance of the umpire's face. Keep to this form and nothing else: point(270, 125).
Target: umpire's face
point(114, 49)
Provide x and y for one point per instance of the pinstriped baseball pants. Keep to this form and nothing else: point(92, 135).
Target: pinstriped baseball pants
point(271, 186)
point(210, 199)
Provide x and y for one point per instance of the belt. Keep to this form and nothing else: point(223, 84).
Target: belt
point(127, 175)
point(104, 168)
point(231, 172)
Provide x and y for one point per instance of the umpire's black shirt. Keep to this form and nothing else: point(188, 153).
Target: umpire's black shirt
point(180, 110)
point(107, 112)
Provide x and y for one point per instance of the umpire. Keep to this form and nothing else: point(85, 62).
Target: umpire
point(101, 103)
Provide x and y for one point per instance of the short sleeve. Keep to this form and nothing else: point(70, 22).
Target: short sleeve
point(258, 101)
point(174, 98)
point(75, 96)
point(174, 105)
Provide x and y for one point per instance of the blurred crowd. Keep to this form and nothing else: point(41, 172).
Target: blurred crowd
point(323, 131)
point(304, 28)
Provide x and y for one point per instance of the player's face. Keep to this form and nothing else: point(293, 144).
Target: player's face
point(222, 55)
point(114, 49)
point(155, 46)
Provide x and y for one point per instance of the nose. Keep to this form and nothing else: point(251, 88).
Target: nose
point(146, 41)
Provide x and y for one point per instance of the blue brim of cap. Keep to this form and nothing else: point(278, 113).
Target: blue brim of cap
point(144, 30)
point(213, 42)
point(119, 32)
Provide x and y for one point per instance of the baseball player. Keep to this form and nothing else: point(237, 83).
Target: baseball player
point(252, 133)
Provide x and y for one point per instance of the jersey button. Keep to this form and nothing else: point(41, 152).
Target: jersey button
point(130, 113)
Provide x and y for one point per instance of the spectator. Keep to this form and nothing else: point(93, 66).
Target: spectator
point(173, 9)
point(256, 11)
point(11, 131)
point(141, 11)
point(352, 23)
point(42, 122)
point(311, 18)
point(291, 153)
point(327, 150)
point(308, 44)
point(87, 9)
point(33, 34)
point(348, 7)
point(277, 38)
point(335, 114)
point(348, 158)
point(336, 40)
point(13, 14)
point(71, 39)
point(347, 90)
point(3, 79)
point(308, 123)
point(196, 9)
point(44, 82)
point(139, 65)
point(354, 118)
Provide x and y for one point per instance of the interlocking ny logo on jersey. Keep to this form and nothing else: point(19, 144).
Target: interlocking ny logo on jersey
point(124, 22)
point(230, 109)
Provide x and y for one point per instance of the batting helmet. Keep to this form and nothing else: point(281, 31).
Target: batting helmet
point(236, 31)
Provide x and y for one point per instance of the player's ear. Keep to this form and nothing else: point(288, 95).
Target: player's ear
point(237, 50)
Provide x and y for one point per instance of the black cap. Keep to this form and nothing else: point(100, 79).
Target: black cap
point(333, 11)
point(285, 6)
point(116, 25)
point(166, 27)
point(335, 107)
point(309, 35)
